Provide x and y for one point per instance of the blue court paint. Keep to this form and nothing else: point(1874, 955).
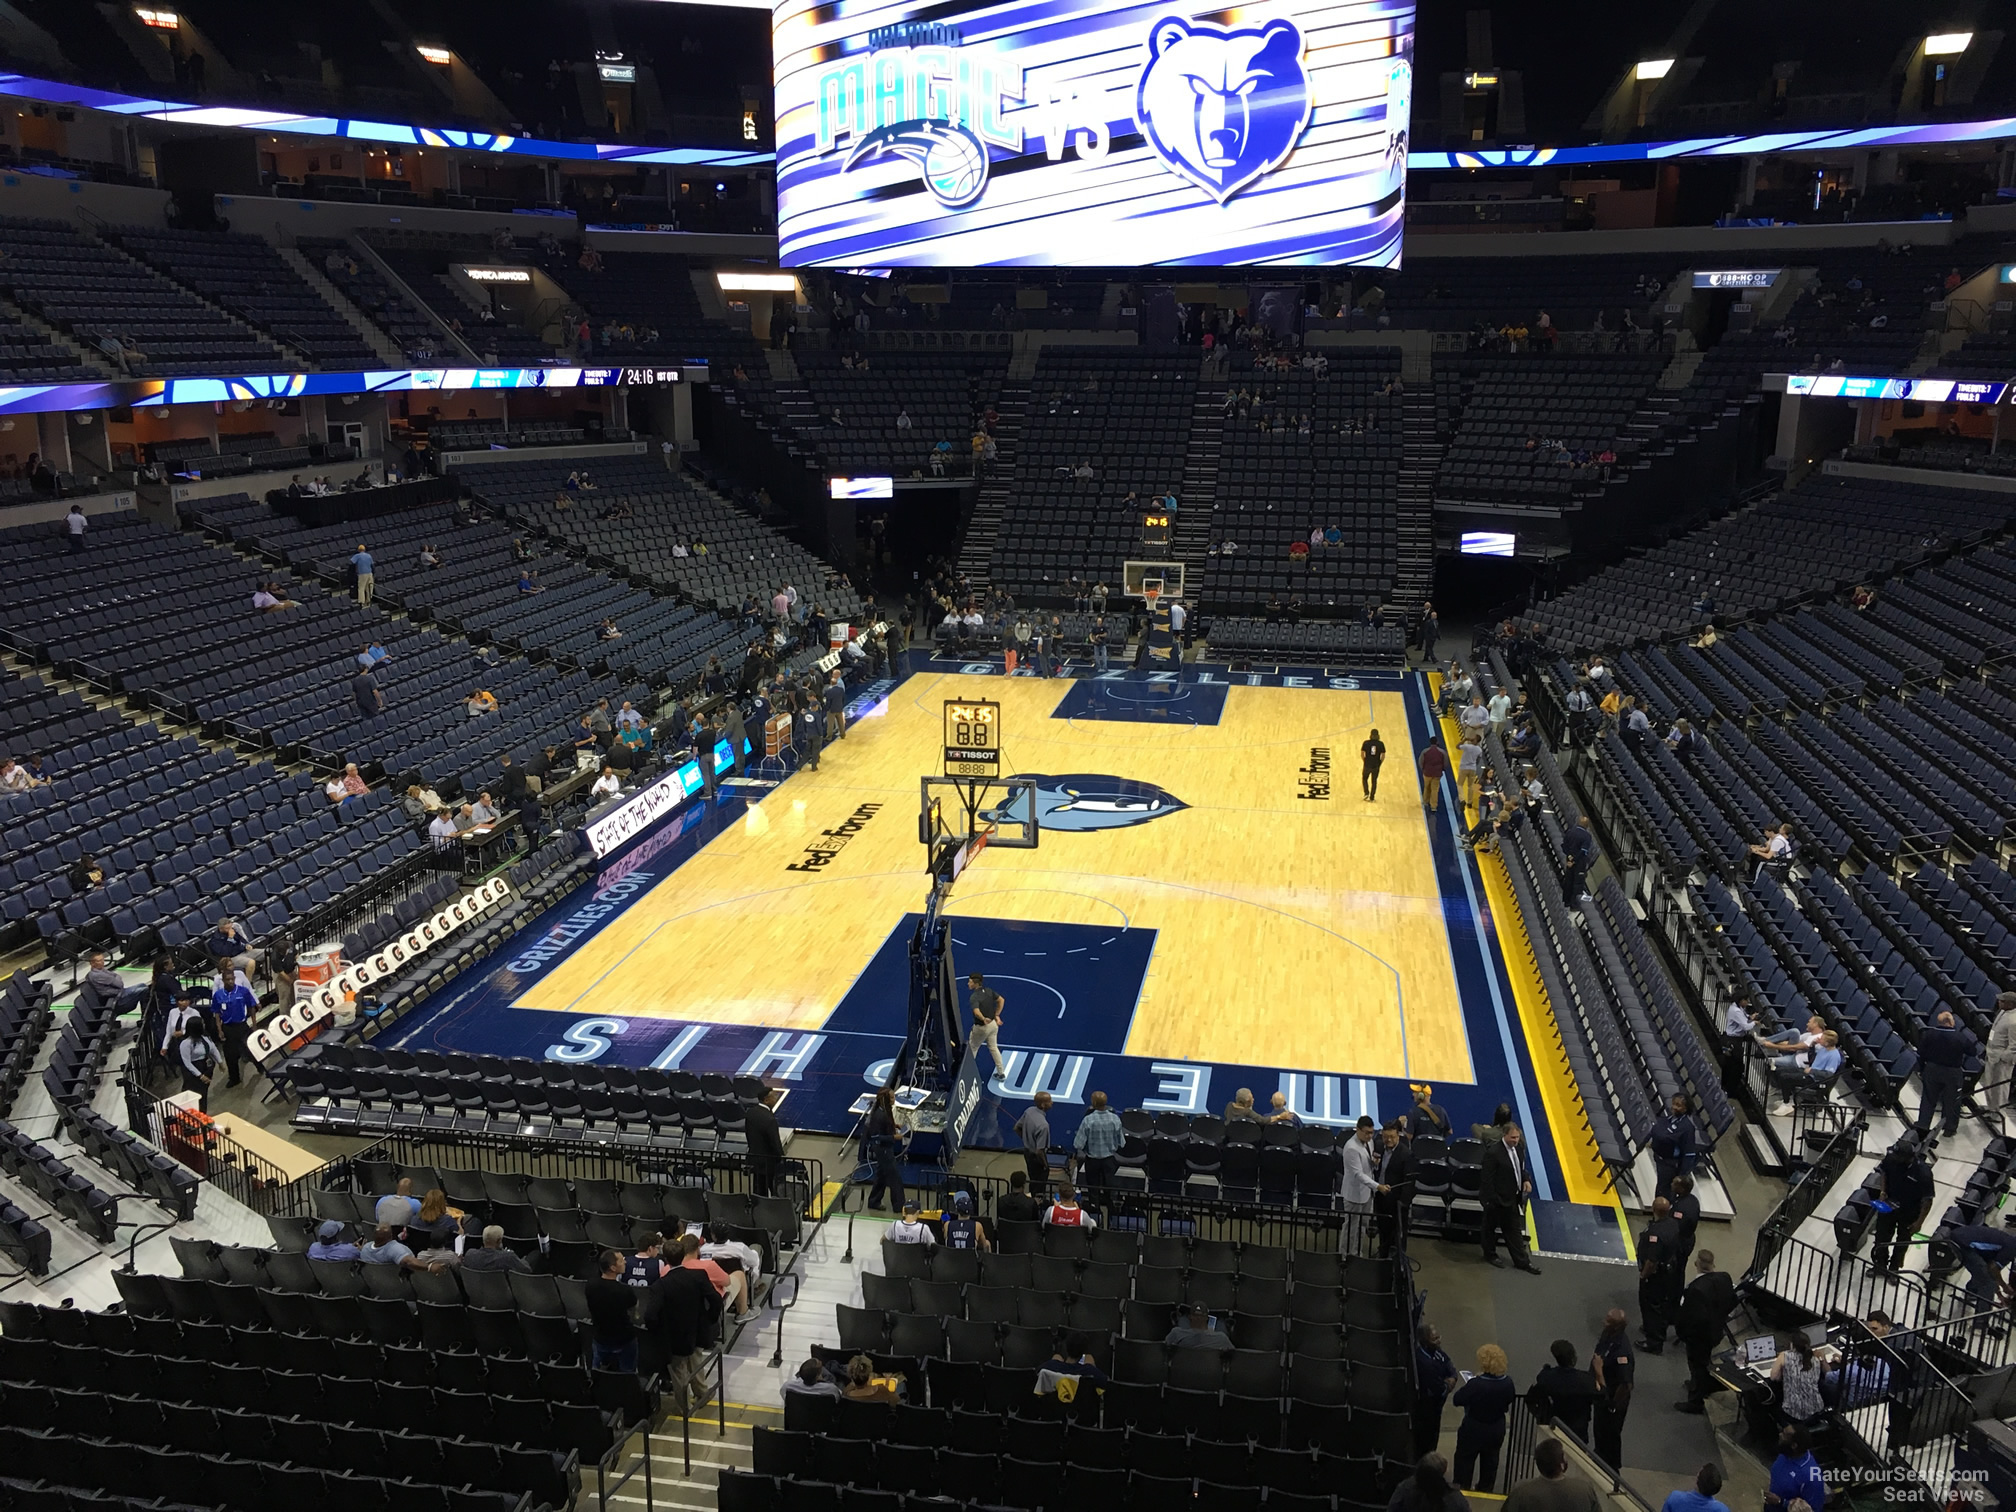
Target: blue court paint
point(1068, 987)
point(1137, 701)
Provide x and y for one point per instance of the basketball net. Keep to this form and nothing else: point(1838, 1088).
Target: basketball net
point(1153, 596)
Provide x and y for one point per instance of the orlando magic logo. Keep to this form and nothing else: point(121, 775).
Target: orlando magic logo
point(951, 159)
point(1222, 106)
point(1094, 801)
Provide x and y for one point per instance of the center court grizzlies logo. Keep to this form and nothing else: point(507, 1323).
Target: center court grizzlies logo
point(1223, 106)
point(1094, 801)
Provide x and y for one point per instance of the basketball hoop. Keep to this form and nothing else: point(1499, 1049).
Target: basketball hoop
point(1153, 596)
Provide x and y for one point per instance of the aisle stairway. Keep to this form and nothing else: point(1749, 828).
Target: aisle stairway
point(1415, 577)
point(983, 526)
point(1191, 538)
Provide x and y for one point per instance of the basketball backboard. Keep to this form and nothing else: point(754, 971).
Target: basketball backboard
point(954, 809)
point(1136, 576)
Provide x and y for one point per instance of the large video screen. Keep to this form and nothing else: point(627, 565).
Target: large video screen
point(1069, 133)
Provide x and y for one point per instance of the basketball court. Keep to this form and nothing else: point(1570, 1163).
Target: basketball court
point(1212, 905)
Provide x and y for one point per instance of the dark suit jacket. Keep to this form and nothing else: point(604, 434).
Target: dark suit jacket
point(1501, 1187)
point(765, 1143)
point(1705, 1307)
point(1398, 1174)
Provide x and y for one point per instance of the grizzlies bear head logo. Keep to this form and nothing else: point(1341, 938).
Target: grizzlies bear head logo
point(1095, 801)
point(1223, 106)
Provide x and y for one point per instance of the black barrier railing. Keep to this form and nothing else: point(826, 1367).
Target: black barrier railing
point(1191, 1214)
point(1775, 1234)
point(239, 1173)
point(802, 1178)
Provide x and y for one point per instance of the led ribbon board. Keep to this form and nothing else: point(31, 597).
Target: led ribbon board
point(1924, 390)
point(149, 393)
point(1077, 134)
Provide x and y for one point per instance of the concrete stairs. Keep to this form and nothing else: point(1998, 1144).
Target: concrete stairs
point(285, 358)
point(1414, 574)
point(1678, 373)
point(783, 365)
point(990, 504)
point(1190, 540)
point(87, 356)
point(386, 348)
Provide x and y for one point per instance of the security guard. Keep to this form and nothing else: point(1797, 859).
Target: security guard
point(1903, 1199)
point(1687, 1214)
point(1676, 1146)
point(1659, 1276)
point(1943, 1052)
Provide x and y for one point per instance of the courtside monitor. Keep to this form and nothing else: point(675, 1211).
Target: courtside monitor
point(1499, 543)
point(1080, 134)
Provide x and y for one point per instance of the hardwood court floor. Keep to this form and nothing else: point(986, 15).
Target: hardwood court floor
point(1291, 931)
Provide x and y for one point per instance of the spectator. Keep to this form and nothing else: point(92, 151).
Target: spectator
point(331, 1245)
point(1098, 1143)
point(1795, 1475)
point(399, 1207)
point(1195, 1331)
point(910, 1228)
point(1707, 1482)
point(1553, 1489)
point(1065, 1211)
point(483, 810)
point(367, 580)
point(434, 1220)
point(731, 1288)
point(612, 1334)
point(15, 778)
point(491, 1255)
point(481, 701)
point(1017, 1206)
point(607, 785)
point(811, 1380)
point(86, 875)
point(74, 526)
point(267, 601)
point(429, 557)
point(528, 581)
point(385, 1249)
point(372, 655)
point(724, 1251)
point(354, 785)
point(1428, 1489)
point(228, 943)
point(441, 831)
point(370, 701)
point(863, 1385)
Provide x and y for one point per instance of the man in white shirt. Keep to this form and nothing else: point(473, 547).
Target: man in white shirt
point(1794, 1050)
point(1499, 710)
point(441, 831)
point(14, 777)
point(911, 1229)
point(606, 786)
point(719, 1246)
point(1178, 618)
point(1474, 716)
